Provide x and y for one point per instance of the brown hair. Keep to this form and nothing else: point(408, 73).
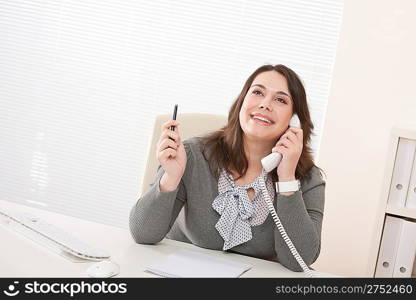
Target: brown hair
point(222, 148)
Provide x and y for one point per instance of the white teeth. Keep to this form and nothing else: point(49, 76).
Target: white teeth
point(263, 119)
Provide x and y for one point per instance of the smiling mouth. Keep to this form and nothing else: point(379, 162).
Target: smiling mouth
point(262, 120)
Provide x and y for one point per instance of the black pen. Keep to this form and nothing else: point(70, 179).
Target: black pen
point(175, 111)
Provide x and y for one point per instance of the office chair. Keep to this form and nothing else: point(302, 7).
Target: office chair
point(191, 125)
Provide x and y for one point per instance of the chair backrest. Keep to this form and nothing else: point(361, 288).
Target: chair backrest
point(191, 125)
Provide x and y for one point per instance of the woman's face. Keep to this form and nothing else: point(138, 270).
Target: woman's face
point(267, 107)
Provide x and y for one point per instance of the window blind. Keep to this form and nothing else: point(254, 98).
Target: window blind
point(81, 83)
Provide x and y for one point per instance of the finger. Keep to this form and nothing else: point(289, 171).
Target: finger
point(169, 123)
point(290, 134)
point(278, 146)
point(169, 134)
point(281, 149)
point(177, 130)
point(167, 153)
point(284, 135)
point(292, 137)
point(168, 143)
point(297, 138)
point(287, 143)
point(279, 142)
point(297, 131)
point(163, 155)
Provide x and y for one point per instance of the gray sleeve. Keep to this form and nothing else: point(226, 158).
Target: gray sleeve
point(301, 215)
point(155, 212)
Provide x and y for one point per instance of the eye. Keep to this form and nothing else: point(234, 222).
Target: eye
point(257, 92)
point(281, 100)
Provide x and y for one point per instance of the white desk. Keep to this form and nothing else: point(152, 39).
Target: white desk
point(21, 257)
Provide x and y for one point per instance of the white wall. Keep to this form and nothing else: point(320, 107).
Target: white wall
point(81, 82)
point(372, 89)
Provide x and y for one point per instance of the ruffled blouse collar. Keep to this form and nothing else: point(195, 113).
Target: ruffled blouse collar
point(237, 212)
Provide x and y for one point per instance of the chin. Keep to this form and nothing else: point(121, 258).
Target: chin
point(255, 135)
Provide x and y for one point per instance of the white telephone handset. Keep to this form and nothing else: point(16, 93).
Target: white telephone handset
point(272, 160)
point(269, 163)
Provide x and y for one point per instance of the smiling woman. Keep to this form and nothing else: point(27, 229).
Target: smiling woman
point(266, 109)
point(274, 93)
point(216, 179)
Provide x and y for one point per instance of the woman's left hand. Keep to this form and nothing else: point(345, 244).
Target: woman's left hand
point(290, 145)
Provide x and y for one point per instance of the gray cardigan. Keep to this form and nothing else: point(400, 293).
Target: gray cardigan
point(186, 214)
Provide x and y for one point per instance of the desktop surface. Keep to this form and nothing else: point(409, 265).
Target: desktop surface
point(22, 257)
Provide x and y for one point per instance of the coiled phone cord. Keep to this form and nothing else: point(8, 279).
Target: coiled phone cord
point(281, 229)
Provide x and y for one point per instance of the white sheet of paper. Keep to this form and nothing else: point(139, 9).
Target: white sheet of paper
point(186, 263)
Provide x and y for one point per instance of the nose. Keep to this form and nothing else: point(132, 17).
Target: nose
point(266, 103)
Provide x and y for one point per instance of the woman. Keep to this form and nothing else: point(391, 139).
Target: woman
point(215, 178)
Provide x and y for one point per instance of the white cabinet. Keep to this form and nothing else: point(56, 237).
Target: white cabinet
point(398, 201)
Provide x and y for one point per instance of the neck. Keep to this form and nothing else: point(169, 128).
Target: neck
point(255, 150)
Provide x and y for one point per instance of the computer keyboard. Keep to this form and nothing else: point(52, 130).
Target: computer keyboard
point(60, 238)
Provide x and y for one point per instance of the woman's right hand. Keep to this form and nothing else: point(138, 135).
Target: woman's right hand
point(171, 153)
